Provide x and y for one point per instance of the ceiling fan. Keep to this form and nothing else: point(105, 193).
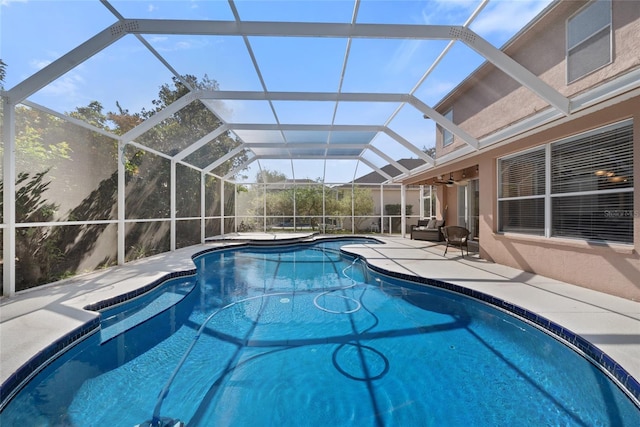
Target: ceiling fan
point(440, 181)
point(451, 182)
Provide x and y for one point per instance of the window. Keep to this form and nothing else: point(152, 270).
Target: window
point(522, 192)
point(428, 202)
point(592, 185)
point(589, 39)
point(447, 136)
point(579, 187)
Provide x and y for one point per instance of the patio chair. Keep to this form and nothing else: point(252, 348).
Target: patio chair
point(456, 236)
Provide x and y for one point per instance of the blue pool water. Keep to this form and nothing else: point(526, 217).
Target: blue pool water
point(302, 336)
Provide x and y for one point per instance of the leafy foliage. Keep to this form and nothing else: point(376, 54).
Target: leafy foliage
point(3, 72)
point(57, 157)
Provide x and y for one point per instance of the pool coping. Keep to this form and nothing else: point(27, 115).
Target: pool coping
point(38, 354)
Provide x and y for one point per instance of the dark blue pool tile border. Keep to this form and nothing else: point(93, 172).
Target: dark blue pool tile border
point(309, 240)
point(599, 357)
point(109, 302)
point(38, 361)
point(42, 358)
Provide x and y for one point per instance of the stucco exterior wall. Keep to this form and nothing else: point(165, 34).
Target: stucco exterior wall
point(610, 268)
point(490, 100)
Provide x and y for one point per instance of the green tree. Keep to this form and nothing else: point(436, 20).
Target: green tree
point(431, 151)
point(3, 73)
point(362, 206)
point(148, 176)
point(36, 252)
point(40, 140)
point(266, 176)
point(309, 203)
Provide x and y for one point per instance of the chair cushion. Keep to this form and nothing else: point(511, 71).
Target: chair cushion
point(431, 224)
point(439, 223)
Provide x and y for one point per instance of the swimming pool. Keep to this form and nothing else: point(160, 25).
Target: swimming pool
point(302, 335)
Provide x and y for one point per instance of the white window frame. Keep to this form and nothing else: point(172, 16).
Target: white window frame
point(447, 136)
point(548, 194)
point(587, 38)
point(542, 196)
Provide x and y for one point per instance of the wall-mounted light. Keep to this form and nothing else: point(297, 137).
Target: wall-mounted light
point(616, 179)
point(464, 180)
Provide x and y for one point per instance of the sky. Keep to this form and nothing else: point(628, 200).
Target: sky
point(36, 33)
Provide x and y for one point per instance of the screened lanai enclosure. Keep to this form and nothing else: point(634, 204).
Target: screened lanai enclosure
point(135, 128)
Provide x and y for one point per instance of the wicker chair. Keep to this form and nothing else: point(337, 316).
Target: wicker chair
point(456, 236)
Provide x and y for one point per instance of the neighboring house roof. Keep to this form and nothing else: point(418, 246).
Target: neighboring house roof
point(375, 178)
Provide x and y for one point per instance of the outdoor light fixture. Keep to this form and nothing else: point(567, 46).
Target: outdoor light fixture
point(616, 179)
point(464, 180)
point(602, 172)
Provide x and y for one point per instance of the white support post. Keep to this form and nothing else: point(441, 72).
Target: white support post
point(264, 208)
point(324, 205)
point(203, 210)
point(222, 213)
point(295, 212)
point(122, 182)
point(235, 208)
point(353, 208)
point(381, 208)
point(403, 210)
point(172, 204)
point(421, 213)
point(9, 199)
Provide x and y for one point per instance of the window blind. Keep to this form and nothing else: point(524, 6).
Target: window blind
point(589, 39)
point(598, 217)
point(601, 161)
point(522, 175)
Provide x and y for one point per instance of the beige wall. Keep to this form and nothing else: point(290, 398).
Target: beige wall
point(491, 100)
point(610, 268)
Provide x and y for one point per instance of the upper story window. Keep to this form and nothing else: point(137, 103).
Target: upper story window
point(589, 39)
point(447, 136)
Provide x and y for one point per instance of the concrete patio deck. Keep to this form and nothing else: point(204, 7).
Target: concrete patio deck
point(35, 319)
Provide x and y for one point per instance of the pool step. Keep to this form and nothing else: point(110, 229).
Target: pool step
point(121, 321)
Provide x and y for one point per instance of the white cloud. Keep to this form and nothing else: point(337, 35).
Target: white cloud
point(438, 88)
point(507, 16)
point(403, 56)
point(67, 86)
point(39, 64)
point(158, 39)
point(151, 8)
point(184, 45)
point(8, 2)
point(449, 11)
